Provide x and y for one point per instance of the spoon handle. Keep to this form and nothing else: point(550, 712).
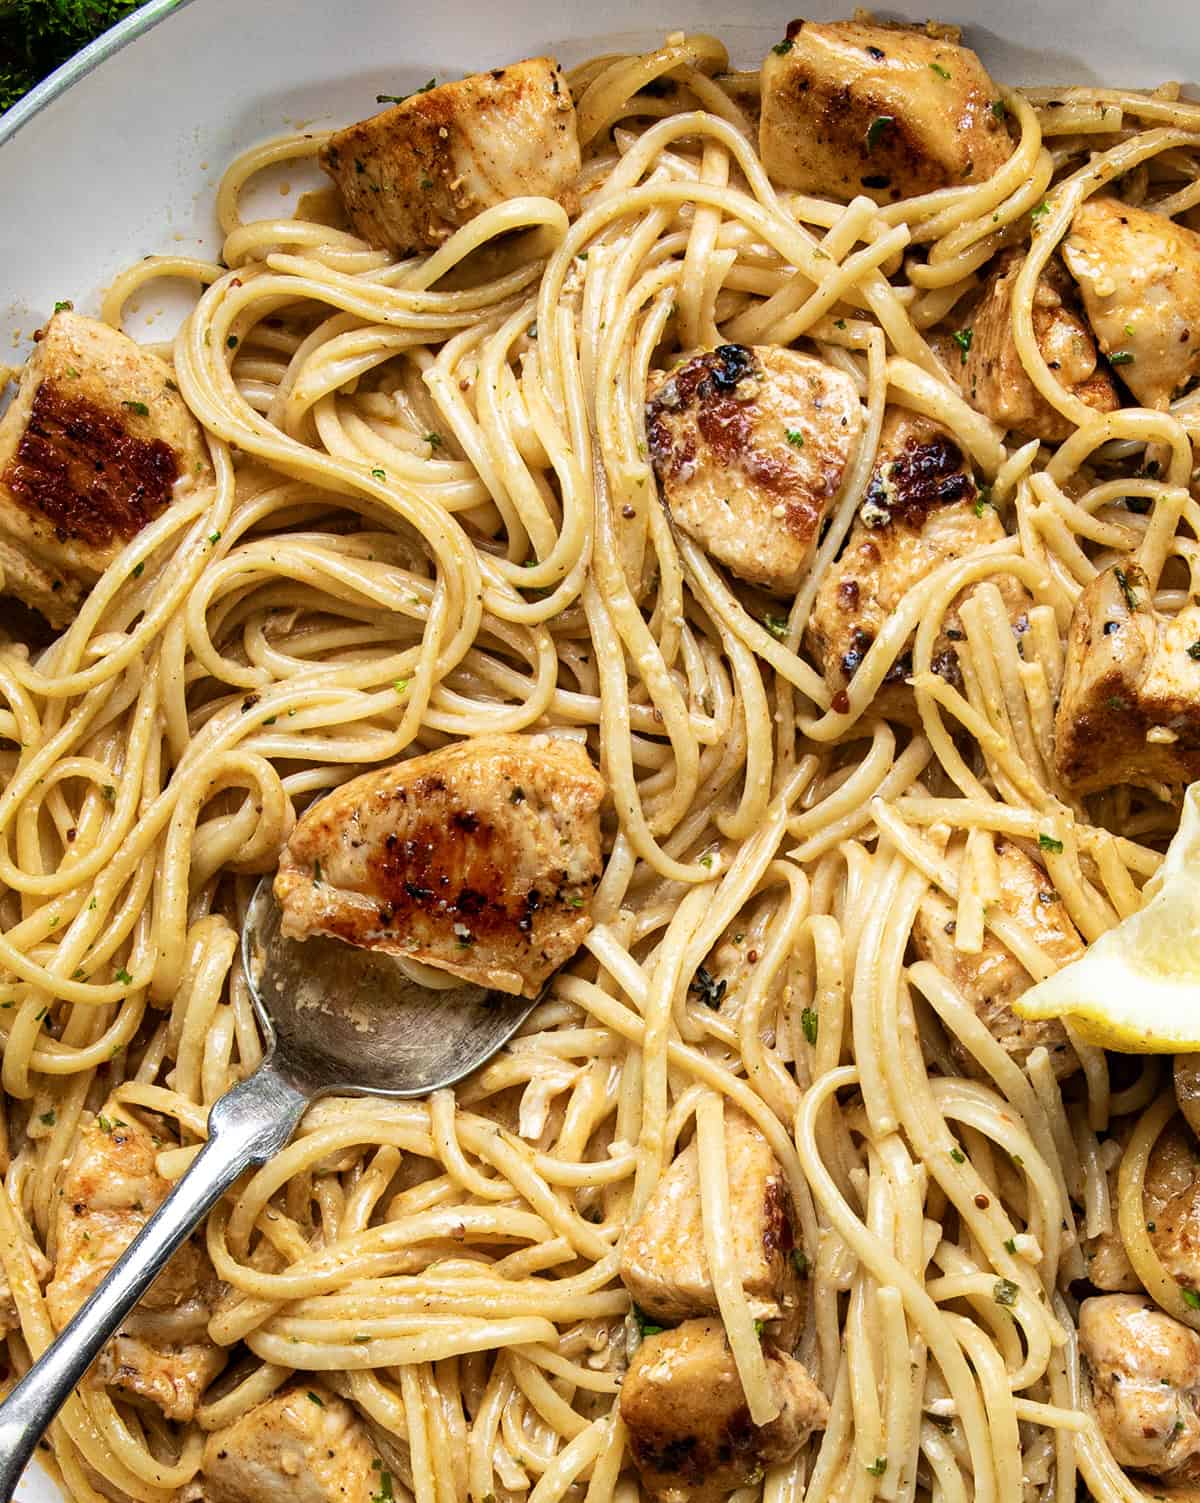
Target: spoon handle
point(245, 1127)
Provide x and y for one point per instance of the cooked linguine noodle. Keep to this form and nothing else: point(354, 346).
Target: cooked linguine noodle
point(434, 516)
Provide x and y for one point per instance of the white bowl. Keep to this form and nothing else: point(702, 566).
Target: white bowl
point(118, 154)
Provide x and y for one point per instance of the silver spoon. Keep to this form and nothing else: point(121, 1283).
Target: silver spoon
point(336, 1020)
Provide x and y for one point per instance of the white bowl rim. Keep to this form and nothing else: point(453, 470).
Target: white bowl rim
point(136, 24)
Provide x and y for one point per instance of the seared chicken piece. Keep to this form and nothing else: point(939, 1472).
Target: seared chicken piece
point(1187, 1089)
point(850, 107)
point(413, 174)
point(109, 1190)
point(1172, 1206)
point(1139, 273)
point(689, 1429)
point(1129, 711)
point(750, 445)
point(921, 510)
point(990, 980)
point(991, 372)
point(479, 859)
point(1172, 1199)
point(663, 1263)
point(304, 1445)
point(1145, 1370)
point(92, 448)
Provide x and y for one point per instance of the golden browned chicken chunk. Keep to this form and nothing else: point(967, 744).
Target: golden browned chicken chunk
point(304, 1445)
point(991, 979)
point(109, 1190)
point(1172, 1199)
point(689, 1429)
point(1187, 1089)
point(1172, 1209)
point(1129, 711)
point(992, 375)
point(479, 859)
point(853, 107)
point(413, 174)
point(1145, 1372)
point(663, 1263)
point(92, 448)
point(1139, 273)
point(921, 509)
point(750, 445)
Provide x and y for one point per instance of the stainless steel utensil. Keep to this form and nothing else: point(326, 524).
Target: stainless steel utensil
point(336, 1020)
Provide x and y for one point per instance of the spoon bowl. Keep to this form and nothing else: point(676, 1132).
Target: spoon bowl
point(335, 1019)
point(353, 1022)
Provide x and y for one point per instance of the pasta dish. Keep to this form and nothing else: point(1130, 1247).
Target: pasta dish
point(729, 539)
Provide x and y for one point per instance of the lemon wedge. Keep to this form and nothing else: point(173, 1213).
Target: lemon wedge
point(1137, 987)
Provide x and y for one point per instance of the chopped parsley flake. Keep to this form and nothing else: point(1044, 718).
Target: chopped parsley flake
point(379, 474)
point(939, 70)
point(47, 1119)
point(1127, 589)
point(316, 1399)
point(781, 49)
point(1039, 210)
point(232, 341)
point(434, 440)
point(139, 407)
point(800, 1260)
point(1048, 843)
point(809, 1023)
point(214, 537)
point(124, 977)
point(317, 873)
point(878, 1466)
point(137, 570)
point(876, 129)
point(1010, 1244)
point(958, 1156)
point(1121, 357)
point(65, 306)
point(1005, 1292)
point(644, 1324)
point(777, 626)
point(962, 338)
point(983, 500)
point(1191, 1298)
point(385, 1494)
point(399, 99)
point(794, 437)
point(999, 108)
point(1194, 651)
point(401, 685)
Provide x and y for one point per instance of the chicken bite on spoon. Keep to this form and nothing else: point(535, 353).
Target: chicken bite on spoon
point(479, 859)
